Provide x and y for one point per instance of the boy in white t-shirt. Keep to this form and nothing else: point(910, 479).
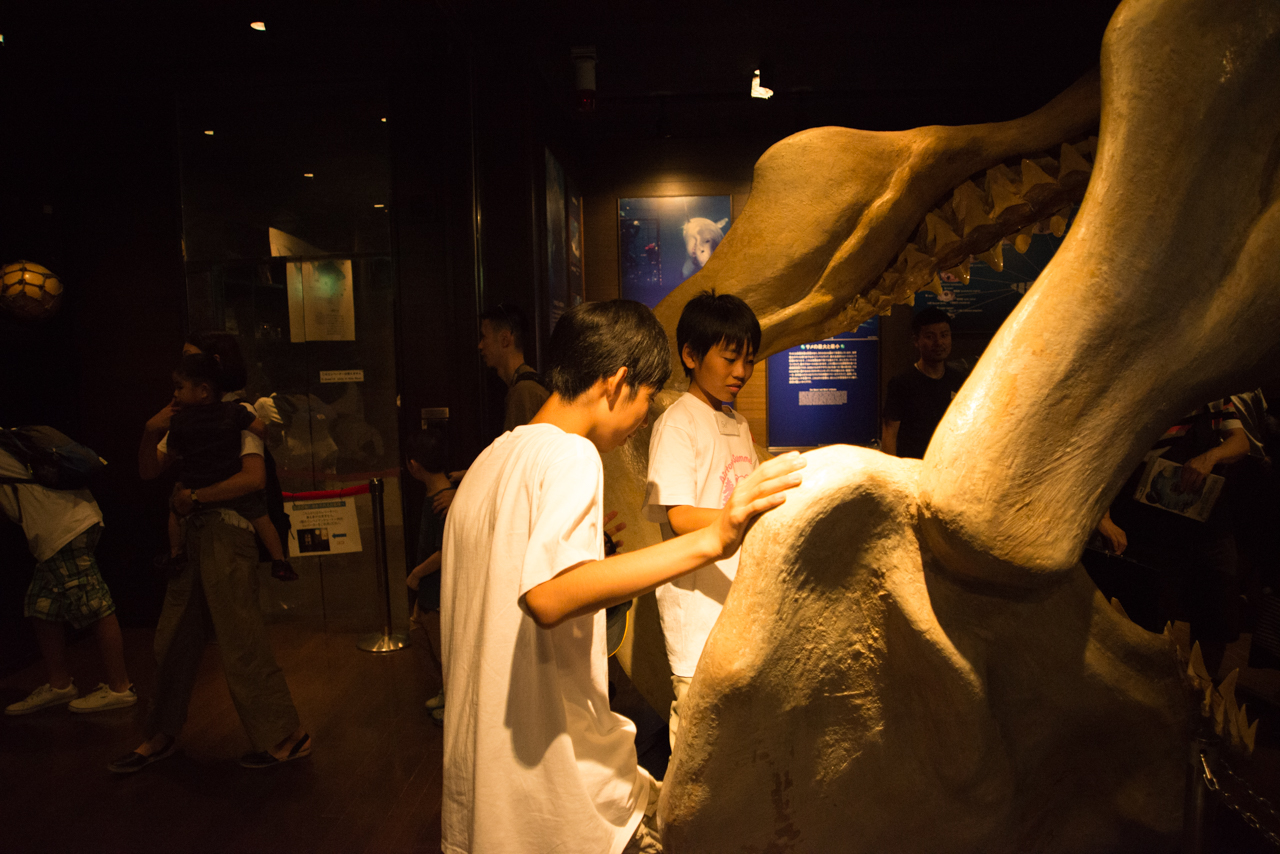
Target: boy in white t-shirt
point(534, 759)
point(699, 451)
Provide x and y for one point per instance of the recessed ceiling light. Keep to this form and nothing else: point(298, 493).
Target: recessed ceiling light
point(259, 26)
point(379, 206)
point(308, 174)
point(208, 133)
point(384, 119)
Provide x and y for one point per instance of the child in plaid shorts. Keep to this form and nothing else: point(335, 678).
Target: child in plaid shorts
point(62, 529)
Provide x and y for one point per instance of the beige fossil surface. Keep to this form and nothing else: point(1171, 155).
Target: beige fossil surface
point(911, 657)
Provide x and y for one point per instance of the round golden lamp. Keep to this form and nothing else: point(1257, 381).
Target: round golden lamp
point(29, 290)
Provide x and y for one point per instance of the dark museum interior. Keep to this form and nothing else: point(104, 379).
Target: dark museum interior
point(174, 165)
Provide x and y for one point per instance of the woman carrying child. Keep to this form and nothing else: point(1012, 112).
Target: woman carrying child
point(216, 586)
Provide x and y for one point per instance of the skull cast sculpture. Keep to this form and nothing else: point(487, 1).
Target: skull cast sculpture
point(911, 657)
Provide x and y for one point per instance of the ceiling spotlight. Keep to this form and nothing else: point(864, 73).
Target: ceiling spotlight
point(308, 174)
point(758, 91)
point(379, 206)
point(384, 119)
point(260, 26)
point(208, 133)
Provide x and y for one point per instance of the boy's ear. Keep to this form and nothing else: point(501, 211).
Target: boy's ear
point(615, 385)
point(688, 357)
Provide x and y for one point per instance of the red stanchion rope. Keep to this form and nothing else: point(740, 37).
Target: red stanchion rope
point(362, 489)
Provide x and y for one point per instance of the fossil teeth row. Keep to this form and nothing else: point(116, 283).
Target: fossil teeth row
point(1002, 205)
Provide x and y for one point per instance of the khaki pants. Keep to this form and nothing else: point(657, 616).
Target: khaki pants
point(219, 589)
point(647, 839)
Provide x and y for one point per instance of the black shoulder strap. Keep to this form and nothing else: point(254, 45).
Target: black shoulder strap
point(528, 376)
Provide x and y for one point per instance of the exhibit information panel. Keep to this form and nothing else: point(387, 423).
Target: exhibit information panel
point(827, 393)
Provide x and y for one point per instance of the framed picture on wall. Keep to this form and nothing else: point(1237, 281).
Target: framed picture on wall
point(663, 240)
point(557, 242)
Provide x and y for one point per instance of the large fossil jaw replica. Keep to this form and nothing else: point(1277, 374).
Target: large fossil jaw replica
point(911, 658)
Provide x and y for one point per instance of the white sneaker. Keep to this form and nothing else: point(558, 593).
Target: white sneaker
point(104, 698)
point(43, 697)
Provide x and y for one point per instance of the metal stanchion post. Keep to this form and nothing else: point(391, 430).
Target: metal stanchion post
point(384, 641)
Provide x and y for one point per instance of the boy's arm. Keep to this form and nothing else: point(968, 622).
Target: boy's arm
point(251, 478)
point(588, 587)
point(685, 519)
point(258, 428)
point(428, 566)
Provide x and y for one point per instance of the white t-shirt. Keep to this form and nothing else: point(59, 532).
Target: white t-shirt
point(249, 444)
point(534, 759)
point(51, 518)
point(696, 458)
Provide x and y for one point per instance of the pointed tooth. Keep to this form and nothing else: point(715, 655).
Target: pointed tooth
point(1196, 666)
point(1216, 705)
point(1070, 162)
point(1033, 176)
point(935, 286)
point(941, 237)
point(1118, 608)
point(994, 257)
point(1087, 148)
point(1249, 735)
point(970, 205)
point(919, 266)
point(889, 282)
point(961, 271)
point(1228, 688)
point(1022, 240)
point(1001, 187)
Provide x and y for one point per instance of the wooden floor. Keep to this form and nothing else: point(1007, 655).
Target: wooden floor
point(371, 785)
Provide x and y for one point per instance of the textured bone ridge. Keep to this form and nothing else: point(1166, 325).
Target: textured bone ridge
point(911, 657)
point(856, 697)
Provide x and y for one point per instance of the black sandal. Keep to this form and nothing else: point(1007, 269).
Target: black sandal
point(134, 761)
point(264, 759)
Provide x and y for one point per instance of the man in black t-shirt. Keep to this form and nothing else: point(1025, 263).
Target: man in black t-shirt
point(919, 397)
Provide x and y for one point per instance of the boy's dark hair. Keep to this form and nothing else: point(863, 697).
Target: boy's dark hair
point(591, 341)
point(928, 317)
point(223, 347)
point(201, 369)
point(429, 449)
point(709, 319)
point(509, 318)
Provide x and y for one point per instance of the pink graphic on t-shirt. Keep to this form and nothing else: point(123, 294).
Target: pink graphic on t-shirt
point(737, 469)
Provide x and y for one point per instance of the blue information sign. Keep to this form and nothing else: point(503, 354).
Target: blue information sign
point(827, 393)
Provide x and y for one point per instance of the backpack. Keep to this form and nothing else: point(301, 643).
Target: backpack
point(529, 376)
point(54, 460)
